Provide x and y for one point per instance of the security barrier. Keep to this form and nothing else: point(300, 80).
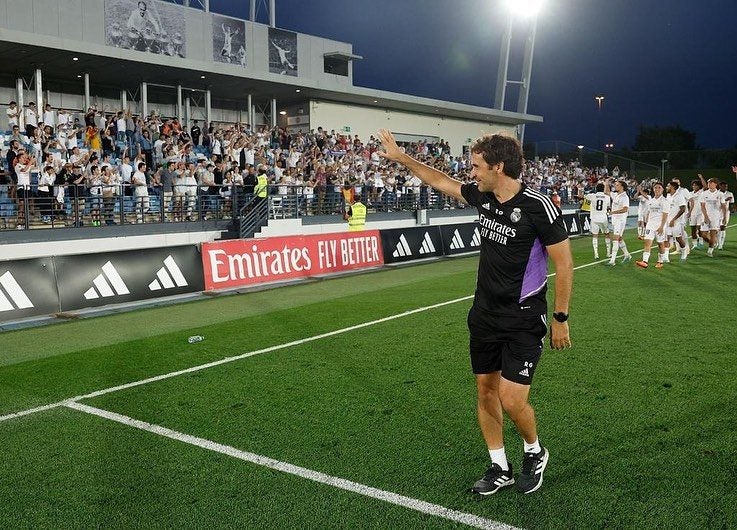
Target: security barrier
point(44, 286)
point(242, 262)
point(407, 244)
point(27, 288)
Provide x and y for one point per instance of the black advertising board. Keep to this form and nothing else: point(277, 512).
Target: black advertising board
point(585, 220)
point(460, 238)
point(27, 288)
point(407, 244)
point(573, 224)
point(92, 280)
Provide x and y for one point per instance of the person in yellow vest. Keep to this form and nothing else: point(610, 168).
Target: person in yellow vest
point(357, 216)
point(262, 184)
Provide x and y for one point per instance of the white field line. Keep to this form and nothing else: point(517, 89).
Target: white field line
point(227, 360)
point(255, 352)
point(316, 476)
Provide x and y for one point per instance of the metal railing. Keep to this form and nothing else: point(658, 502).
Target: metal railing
point(77, 206)
point(253, 216)
point(123, 204)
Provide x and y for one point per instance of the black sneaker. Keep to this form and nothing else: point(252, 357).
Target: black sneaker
point(533, 465)
point(493, 480)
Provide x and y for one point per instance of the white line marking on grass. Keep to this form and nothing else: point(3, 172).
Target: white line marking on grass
point(257, 352)
point(316, 476)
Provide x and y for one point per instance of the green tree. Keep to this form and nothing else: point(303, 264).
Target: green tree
point(669, 138)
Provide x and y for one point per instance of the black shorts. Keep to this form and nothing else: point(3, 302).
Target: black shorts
point(512, 344)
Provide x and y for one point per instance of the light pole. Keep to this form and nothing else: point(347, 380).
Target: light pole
point(663, 162)
point(523, 9)
point(580, 149)
point(599, 105)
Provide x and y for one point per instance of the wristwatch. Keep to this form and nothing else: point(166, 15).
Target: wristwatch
point(560, 317)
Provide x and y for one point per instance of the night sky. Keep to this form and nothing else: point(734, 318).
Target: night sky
point(657, 62)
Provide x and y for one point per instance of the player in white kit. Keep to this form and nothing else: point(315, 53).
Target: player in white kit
point(729, 199)
point(676, 227)
point(696, 217)
point(620, 207)
point(642, 197)
point(655, 221)
point(715, 211)
point(600, 203)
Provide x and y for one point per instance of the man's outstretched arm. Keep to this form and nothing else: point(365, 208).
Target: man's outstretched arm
point(430, 176)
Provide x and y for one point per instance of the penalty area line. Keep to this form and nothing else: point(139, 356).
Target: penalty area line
point(285, 467)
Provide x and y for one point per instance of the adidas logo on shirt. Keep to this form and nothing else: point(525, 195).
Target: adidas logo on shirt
point(402, 249)
point(168, 277)
point(427, 245)
point(457, 241)
point(104, 284)
point(11, 295)
point(476, 239)
point(486, 206)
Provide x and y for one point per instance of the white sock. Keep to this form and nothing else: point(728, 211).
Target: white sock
point(722, 237)
point(608, 243)
point(499, 456)
point(710, 251)
point(623, 246)
point(595, 243)
point(645, 257)
point(660, 257)
point(615, 248)
point(534, 447)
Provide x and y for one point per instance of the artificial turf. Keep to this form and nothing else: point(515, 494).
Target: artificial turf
point(638, 416)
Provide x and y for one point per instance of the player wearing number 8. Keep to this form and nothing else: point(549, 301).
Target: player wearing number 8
point(600, 203)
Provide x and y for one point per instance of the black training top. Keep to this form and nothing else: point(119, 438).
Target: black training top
point(513, 266)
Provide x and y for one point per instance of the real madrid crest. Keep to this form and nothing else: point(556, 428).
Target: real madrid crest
point(516, 215)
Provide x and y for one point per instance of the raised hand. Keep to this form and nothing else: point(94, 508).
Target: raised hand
point(391, 149)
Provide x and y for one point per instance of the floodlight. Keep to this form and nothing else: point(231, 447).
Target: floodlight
point(525, 8)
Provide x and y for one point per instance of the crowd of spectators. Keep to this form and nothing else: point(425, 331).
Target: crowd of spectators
point(63, 161)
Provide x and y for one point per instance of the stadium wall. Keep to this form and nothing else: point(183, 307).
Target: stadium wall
point(79, 26)
point(365, 121)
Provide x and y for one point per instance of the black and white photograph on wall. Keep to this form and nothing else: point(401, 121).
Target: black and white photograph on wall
point(228, 40)
point(146, 25)
point(282, 52)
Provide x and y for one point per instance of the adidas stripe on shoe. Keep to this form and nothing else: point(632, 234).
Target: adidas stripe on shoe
point(533, 466)
point(493, 480)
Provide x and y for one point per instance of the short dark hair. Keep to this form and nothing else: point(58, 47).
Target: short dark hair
point(600, 186)
point(141, 164)
point(675, 185)
point(697, 182)
point(496, 148)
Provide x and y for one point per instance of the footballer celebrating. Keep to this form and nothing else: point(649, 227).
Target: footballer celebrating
point(655, 218)
point(519, 229)
point(620, 208)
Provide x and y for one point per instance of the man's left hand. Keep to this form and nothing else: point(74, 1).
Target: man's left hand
point(560, 338)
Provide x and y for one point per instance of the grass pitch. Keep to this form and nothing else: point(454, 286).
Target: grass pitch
point(638, 416)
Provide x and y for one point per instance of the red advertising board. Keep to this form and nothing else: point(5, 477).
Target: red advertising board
point(251, 261)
